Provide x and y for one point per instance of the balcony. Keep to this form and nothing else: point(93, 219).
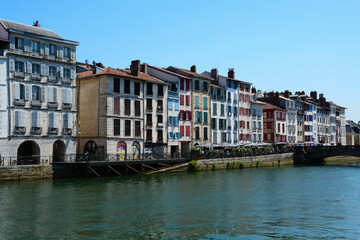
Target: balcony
point(235, 101)
point(52, 105)
point(67, 106)
point(35, 54)
point(52, 79)
point(149, 108)
point(160, 139)
point(160, 125)
point(66, 81)
point(67, 131)
point(52, 131)
point(149, 124)
point(229, 99)
point(149, 139)
point(35, 77)
point(172, 93)
point(35, 103)
point(19, 102)
point(36, 130)
point(160, 109)
point(20, 130)
point(19, 74)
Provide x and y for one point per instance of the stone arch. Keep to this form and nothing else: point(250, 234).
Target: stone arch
point(135, 151)
point(28, 153)
point(121, 150)
point(58, 151)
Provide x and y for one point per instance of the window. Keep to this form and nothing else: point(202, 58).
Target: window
point(160, 106)
point(36, 68)
point(197, 101)
point(181, 100)
point(137, 88)
point(160, 90)
point(182, 131)
point(159, 118)
point(176, 105)
point(187, 100)
point(67, 121)
point(127, 128)
point(19, 66)
point(160, 135)
point(205, 133)
point(116, 85)
point(52, 50)
point(52, 120)
point(35, 93)
point(35, 46)
point(214, 109)
point(149, 135)
point(149, 119)
point(137, 108)
point(197, 133)
point(205, 87)
point(66, 52)
point(213, 123)
point(205, 102)
point(116, 127)
point(19, 43)
point(188, 131)
point(35, 119)
point(52, 70)
point(149, 89)
point(52, 94)
point(127, 106)
point(137, 129)
point(197, 85)
point(170, 104)
point(187, 85)
point(66, 73)
point(205, 117)
point(181, 84)
point(117, 106)
point(126, 86)
point(149, 104)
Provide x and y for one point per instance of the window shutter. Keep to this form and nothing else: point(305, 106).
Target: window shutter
point(181, 84)
point(11, 65)
point(200, 116)
point(66, 121)
point(24, 66)
point(51, 94)
point(187, 85)
point(12, 42)
point(184, 115)
point(17, 91)
point(42, 97)
point(27, 45)
point(16, 118)
point(51, 120)
point(27, 92)
point(29, 67)
point(64, 95)
point(72, 75)
point(181, 99)
point(46, 70)
point(61, 72)
point(21, 119)
point(116, 105)
point(42, 48)
point(190, 115)
point(43, 69)
point(187, 100)
point(33, 119)
point(70, 122)
point(55, 120)
point(46, 51)
point(61, 51)
point(72, 54)
point(69, 96)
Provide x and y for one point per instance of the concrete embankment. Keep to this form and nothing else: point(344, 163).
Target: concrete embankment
point(25, 172)
point(231, 163)
point(342, 161)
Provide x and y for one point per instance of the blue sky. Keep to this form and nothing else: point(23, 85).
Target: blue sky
point(276, 45)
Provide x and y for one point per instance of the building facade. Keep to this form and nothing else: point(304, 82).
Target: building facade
point(218, 115)
point(274, 124)
point(257, 117)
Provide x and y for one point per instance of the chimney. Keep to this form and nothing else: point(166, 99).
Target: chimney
point(94, 67)
point(144, 68)
point(313, 95)
point(287, 94)
point(231, 73)
point(135, 68)
point(36, 23)
point(214, 75)
point(193, 68)
point(253, 90)
point(276, 99)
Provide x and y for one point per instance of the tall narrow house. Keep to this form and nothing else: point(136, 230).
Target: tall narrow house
point(37, 85)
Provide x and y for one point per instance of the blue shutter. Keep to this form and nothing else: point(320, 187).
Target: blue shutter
point(72, 54)
point(46, 49)
point(51, 120)
point(11, 65)
point(29, 67)
point(176, 105)
point(42, 48)
point(170, 105)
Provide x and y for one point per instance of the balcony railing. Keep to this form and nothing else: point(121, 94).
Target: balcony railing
point(35, 103)
point(66, 105)
point(20, 130)
point(19, 74)
point(19, 102)
point(52, 105)
point(36, 130)
point(52, 79)
point(35, 77)
point(67, 131)
point(66, 81)
point(52, 131)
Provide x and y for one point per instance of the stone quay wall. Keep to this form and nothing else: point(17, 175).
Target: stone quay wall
point(25, 172)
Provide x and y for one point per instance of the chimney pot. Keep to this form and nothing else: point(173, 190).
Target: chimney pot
point(135, 68)
point(144, 68)
point(193, 68)
point(231, 73)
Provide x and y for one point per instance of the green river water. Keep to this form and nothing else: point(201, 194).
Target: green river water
point(265, 203)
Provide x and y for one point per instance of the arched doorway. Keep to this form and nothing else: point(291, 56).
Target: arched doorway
point(58, 151)
point(121, 150)
point(135, 151)
point(28, 153)
point(90, 147)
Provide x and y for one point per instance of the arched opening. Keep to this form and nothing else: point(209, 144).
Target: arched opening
point(121, 150)
point(58, 151)
point(28, 153)
point(135, 151)
point(90, 147)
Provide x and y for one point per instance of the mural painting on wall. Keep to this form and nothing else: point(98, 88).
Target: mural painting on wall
point(121, 150)
point(135, 148)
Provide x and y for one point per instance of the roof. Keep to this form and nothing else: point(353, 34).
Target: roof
point(216, 86)
point(207, 73)
point(169, 72)
point(29, 29)
point(269, 106)
point(258, 102)
point(285, 98)
point(118, 72)
point(340, 107)
point(188, 72)
point(4, 40)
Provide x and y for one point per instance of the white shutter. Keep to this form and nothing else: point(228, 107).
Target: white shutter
point(42, 48)
point(72, 75)
point(27, 45)
point(69, 96)
point(43, 69)
point(50, 94)
point(72, 54)
point(42, 96)
point(16, 118)
point(11, 65)
point(24, 66)
point(27, 92)
point(46, 70)
point(66, 121)
point(55, 94)
point(70, 122)
point(38, 119)
point(55, 120)
point(17, 91)
point(29, 67)
point(21, 119)
point(51, 120)
point(46, 49)
point(64, 95)
point(61, 72)
point(12, 42)
point(33, 119)
point(61, 51)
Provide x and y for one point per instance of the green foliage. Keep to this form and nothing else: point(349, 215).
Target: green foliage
point(193, 166)
point(241, 165)
point(214, 166)
point(257, 163)
point(196, 153)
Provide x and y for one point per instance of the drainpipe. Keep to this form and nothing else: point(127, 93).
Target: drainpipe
point(8, 104)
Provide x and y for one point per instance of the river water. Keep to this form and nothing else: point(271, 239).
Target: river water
point(265, 203)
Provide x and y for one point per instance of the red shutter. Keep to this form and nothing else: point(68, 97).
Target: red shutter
point(283, 126)
point(182, 130)
point(181, 99)
point(188, 131)
point(181, 84)
point(116, 105)
point(187, 85)
point(187, 100)
point(184, 115)
point(248, 125)
point(190, 117)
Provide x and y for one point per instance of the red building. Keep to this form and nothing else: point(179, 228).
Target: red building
point(274, 119)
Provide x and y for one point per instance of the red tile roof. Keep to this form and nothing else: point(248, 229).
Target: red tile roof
point(193, 74)
point(167, 71)
point(270, 106)
point(217, 86)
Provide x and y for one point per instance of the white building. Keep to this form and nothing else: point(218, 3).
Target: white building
point(257, 117)
point(218, 114)
point(38, 108)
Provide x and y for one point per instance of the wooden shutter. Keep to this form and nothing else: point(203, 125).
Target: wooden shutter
point(190, 115)
point(11, 65)
point(27, 45)
point(64, 95)
point(12, 42)
point(43, 69)
point(16, 118)
point(29, 67)
point(182, 130)
point(27, 92)
point(55, 94)
point(21, 119)
point(72, 75)
point(42, 48)
point(51, 120)
point(66, 121)
point(188, 131)
point(116, 105)
point(70, 123)
point(51, 94)
point(42, 96)
point(181, 99)
point(33, 119)
point(181, 84)
point(187, 85)
point(46, 51)
point(72, 53)
point(187, 100)
point(17, 91)
point(61, 51)
point(55, 120)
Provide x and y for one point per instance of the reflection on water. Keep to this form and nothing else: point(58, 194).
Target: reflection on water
point(291, 203)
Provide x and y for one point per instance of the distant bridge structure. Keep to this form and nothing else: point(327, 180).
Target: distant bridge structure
point(315, 155)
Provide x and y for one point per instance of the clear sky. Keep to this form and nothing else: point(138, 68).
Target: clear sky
point(277, 45)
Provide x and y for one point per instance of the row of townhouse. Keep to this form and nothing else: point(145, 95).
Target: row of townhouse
point(52, 106)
